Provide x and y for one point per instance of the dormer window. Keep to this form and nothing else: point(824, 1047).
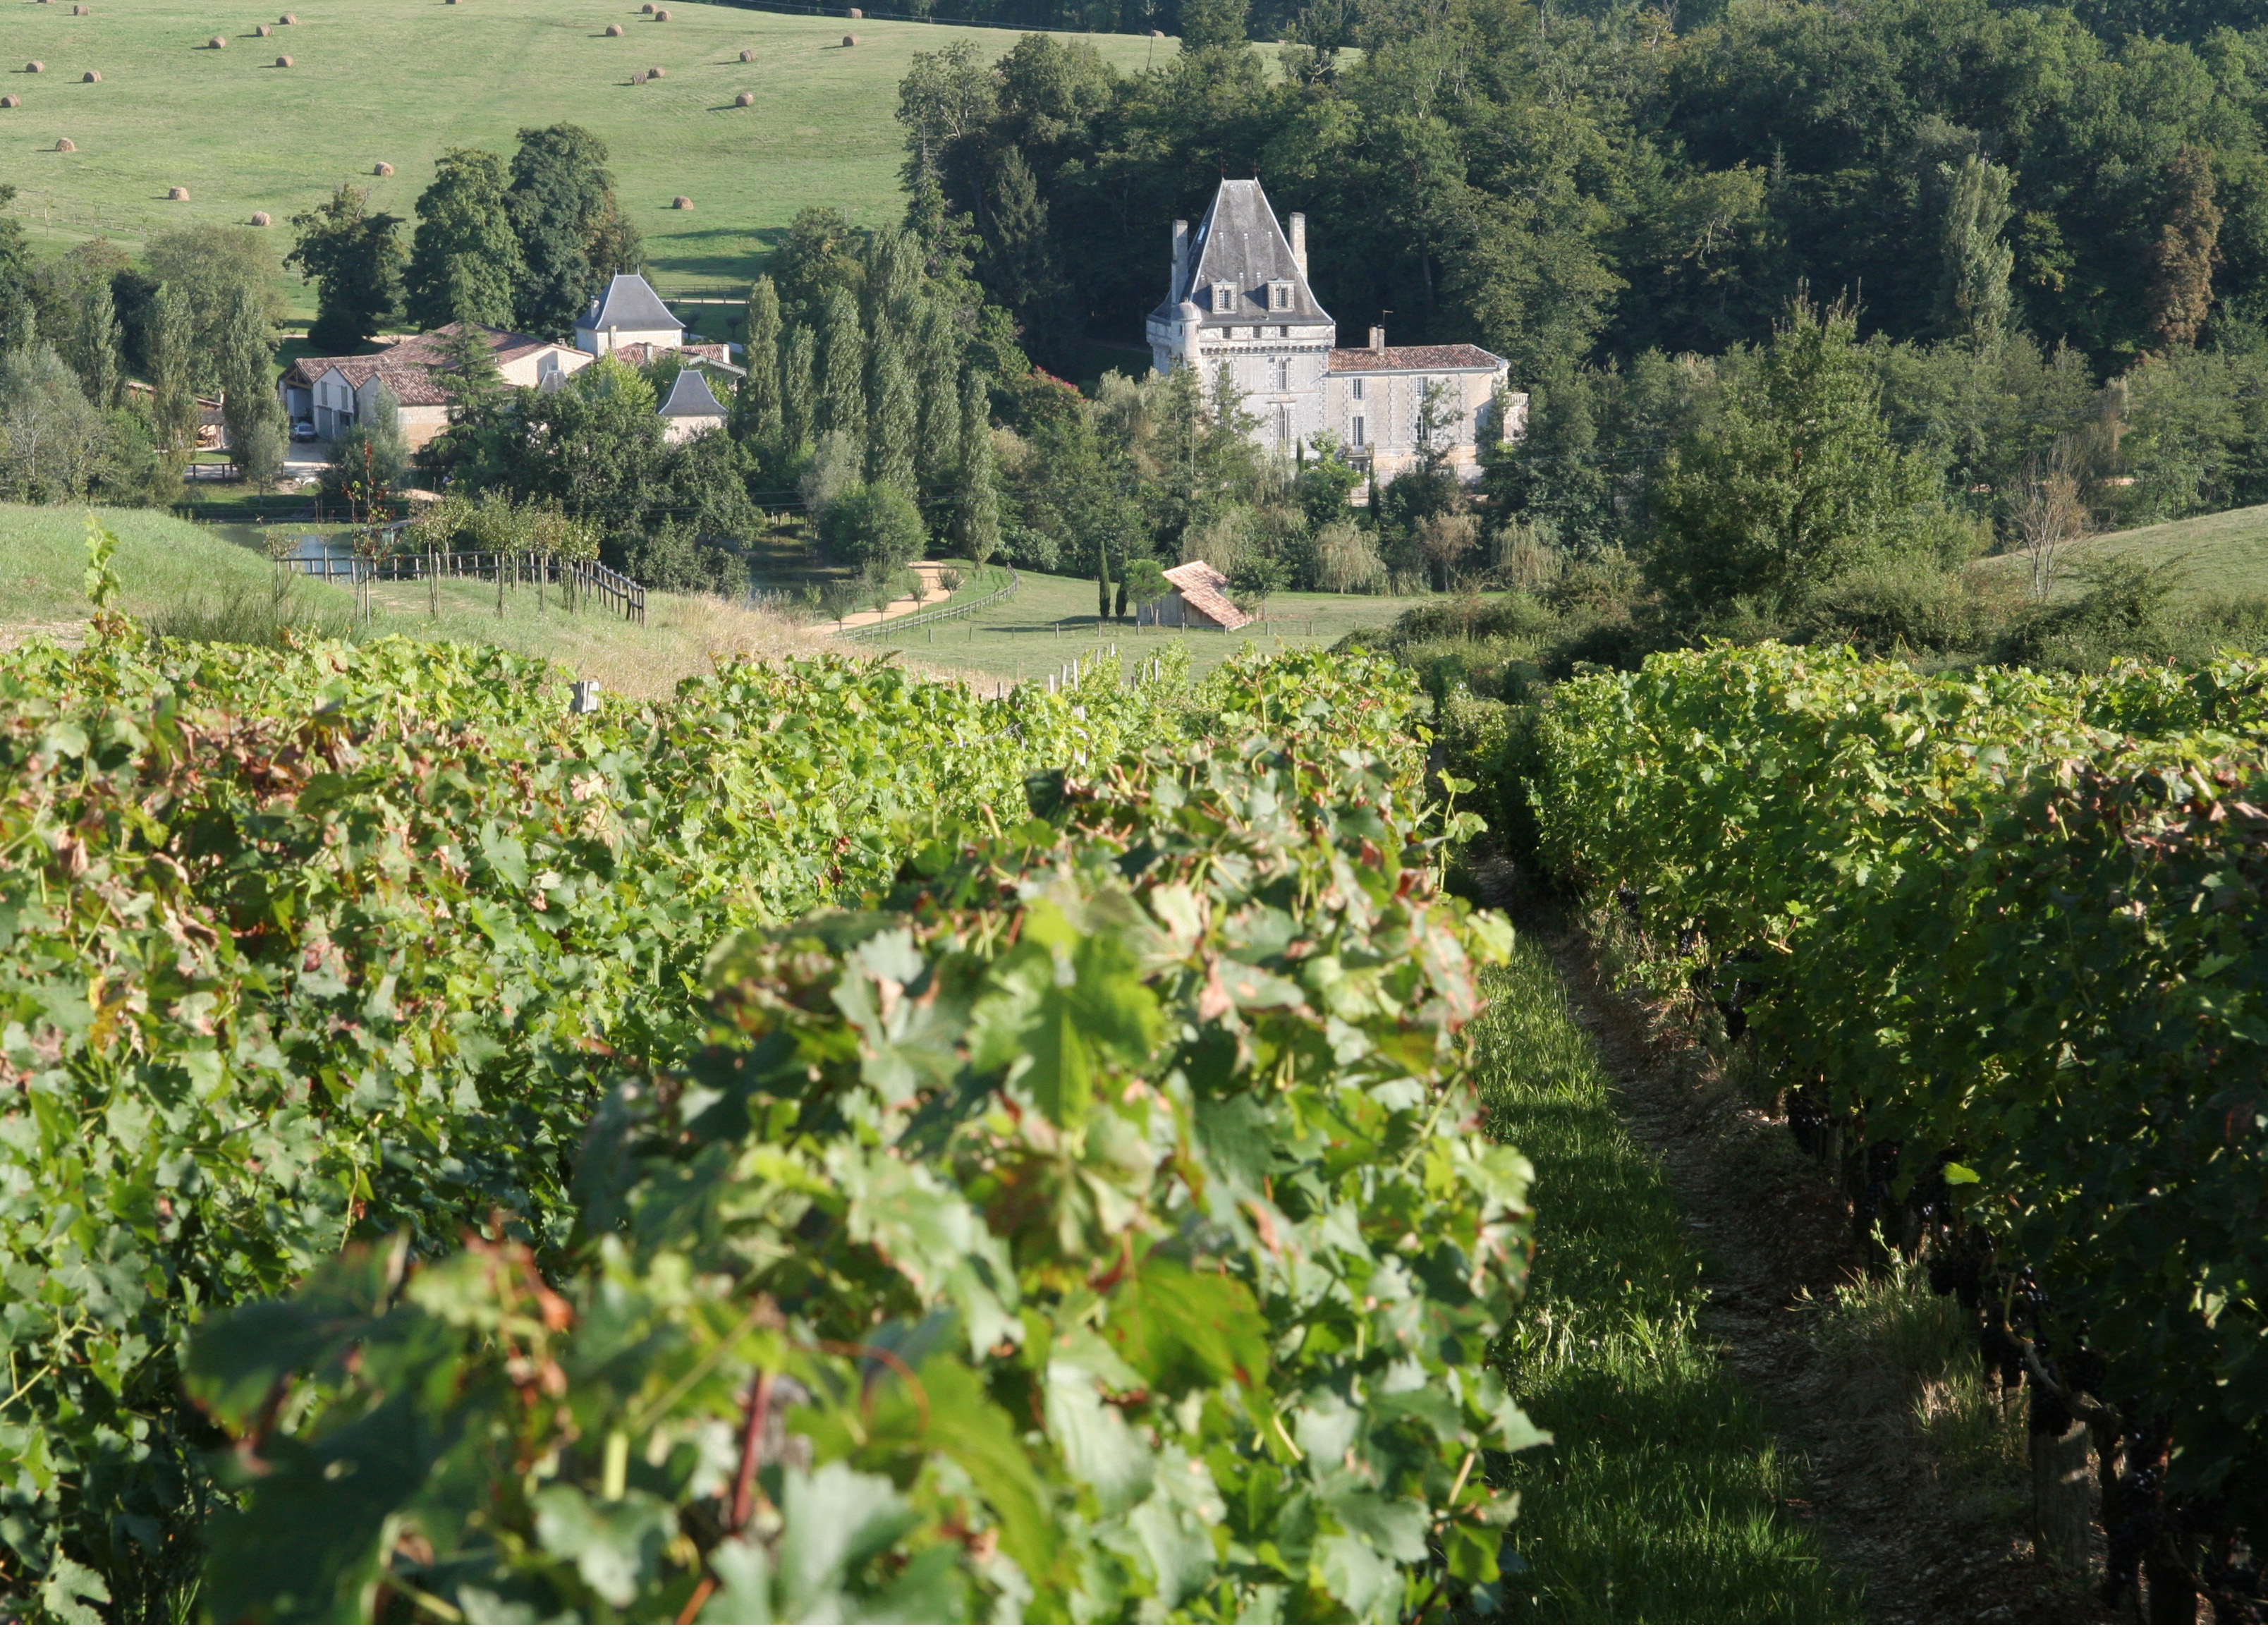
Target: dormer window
point(1224, 299)
point(1280, 296)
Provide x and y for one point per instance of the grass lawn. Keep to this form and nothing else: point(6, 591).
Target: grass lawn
point(399, 81)
point(2219, 556)
point(1052, 620)
point(173, 571)
point(1661, 1499)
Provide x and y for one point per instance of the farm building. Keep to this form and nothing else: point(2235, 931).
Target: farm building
point(692, 408)
point(627, 312)
point(1198, 599)
point(334, 391)
point(1240, 300)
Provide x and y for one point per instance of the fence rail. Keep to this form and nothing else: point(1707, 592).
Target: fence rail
point(579, 579)
point(891, 626)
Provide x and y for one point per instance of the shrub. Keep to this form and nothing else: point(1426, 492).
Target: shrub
point(876, 525)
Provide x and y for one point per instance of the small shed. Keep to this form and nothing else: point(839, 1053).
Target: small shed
point(692, 408)
point(1198, 599)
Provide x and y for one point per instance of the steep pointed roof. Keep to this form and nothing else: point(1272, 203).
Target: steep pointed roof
point(1205, 589)
point(629, 302)
point(691, 397)
point(1241, 243)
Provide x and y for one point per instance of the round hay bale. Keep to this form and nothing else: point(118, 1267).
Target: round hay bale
point(35, 67)
point(264, 30)
point(681, 201)
point(283, 62)
point(216, 44)
point(1157, 34)
point(647, 9)
point(638, 78)
point(91, 77)
point(849, 39)
point(177, 194)
point(261, 217)
point(66, 144)
point(287, 20)
point(11, 101)
point(614, 31)
point(655, 73)
point(748, 57)
point(661, 16)
point(81, 10)
point(745, 98)
point(855, 15)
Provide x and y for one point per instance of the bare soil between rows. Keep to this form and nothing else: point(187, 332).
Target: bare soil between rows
point(1775, 1236)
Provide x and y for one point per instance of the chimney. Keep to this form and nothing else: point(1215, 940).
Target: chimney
point(1300, 243)
point(1378, 338)
point(1180, 290)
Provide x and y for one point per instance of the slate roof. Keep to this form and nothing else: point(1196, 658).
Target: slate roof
point(1240, 243)
point(1413, 358)
point(691, 397)
point(1201, 589)
point(628, 302)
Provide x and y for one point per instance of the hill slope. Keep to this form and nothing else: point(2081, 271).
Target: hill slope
point(2219, 556)
point(399, 81)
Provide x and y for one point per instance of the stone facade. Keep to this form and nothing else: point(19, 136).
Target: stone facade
point(1240, 299)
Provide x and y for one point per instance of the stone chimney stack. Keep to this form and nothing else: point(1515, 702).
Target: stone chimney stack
point(1180, 290)
point(1378, 338)
point(1300, 243)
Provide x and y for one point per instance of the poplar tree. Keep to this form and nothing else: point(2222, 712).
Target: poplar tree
point(798, 405)
point(245, 348)
point(937, 447)
point(979, 516)
point(95, 345)
point(843, 376)
point(892, 418)
point(173, 396)
point(1972, 298)
point(756, 403)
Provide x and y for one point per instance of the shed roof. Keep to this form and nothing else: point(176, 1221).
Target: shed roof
point(629, 302)
point(691, 397)
point(1203, 589)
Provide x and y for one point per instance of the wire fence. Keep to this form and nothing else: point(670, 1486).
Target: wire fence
point(891, 626)
point(579, 580)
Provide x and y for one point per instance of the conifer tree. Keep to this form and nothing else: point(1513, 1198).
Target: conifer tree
point(798, 405)
point(843, 369)
point(2180, 262)
point(756, 403)
point(245, 348)
point(892, 418)
point(979, 516)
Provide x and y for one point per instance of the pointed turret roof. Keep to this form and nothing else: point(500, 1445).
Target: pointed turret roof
point(1241, 243)
point(629, 303)
point(691, 397)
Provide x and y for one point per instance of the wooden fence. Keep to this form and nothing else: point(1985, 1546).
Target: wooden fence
point(577, 579)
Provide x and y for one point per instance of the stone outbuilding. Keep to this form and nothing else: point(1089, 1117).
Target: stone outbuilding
point(333, 392)
point(1197, 600)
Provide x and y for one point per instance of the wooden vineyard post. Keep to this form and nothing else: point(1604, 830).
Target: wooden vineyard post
point(433, 581)
point(499, 571)
point(543, 570)
point(2062, 1502)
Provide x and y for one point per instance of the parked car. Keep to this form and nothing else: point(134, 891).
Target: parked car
point(303, 429)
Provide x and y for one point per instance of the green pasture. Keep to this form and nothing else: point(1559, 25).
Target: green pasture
point(2218, 555)
point(399, 81)
point(1051, 620)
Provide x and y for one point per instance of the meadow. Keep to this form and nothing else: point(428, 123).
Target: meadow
point(399, 81)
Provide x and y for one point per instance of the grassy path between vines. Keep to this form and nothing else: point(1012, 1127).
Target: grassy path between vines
point(1665, 1496)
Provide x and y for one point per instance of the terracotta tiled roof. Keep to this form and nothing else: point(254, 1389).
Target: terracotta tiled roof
point(407, 364)
point(1201, 587)
point(1412, 358)
point(640, 354)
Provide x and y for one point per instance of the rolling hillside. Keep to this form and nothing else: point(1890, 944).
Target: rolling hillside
point(399, 81)
point(2219, 556)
